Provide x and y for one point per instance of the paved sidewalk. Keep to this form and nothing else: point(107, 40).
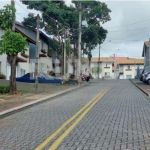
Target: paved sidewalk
point(142, 86)
point(19, 101)
point(120, 120)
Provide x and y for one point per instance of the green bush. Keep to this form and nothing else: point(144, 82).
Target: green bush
point(2, 76)
point(4, 89)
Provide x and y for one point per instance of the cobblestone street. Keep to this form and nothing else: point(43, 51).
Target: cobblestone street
point(120, 120)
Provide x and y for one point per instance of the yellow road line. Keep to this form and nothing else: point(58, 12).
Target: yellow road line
point(45, 142)
point(61, 138)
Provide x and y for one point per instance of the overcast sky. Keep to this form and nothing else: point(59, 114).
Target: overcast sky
point(128, 29)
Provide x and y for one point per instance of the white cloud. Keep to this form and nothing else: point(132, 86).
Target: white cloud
point(130, 19)
point(128, 28)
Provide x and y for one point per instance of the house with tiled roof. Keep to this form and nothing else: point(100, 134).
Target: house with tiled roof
point(26, 62)
point(146, 54)
point(116, 67)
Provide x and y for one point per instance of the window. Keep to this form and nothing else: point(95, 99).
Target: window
point(107, 66)
point(107, 73)
point(42, 45)
point(22, 72)
point(128, 67)
point(0, 67)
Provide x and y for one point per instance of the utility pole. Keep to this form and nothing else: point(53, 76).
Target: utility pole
point(37, 54)
point(79, 41)
point(13, 86)
point(65, 53)
point(99, 61)
point(114, 66)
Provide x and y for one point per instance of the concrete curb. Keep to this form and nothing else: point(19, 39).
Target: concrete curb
point(36, 102)
point(140, 88)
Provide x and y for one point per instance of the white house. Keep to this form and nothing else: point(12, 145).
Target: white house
point(114, 67)
point(21, 62)
point(26, 62)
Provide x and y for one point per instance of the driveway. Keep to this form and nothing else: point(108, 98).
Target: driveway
point(116, 116)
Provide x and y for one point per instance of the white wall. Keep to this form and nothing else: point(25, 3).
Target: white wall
point(94, 74)
point(109, 70)
point(69, 66)
point(43, 46)
point(131, 72)
point(23, 65)
point(45, 64)
point(3, 60)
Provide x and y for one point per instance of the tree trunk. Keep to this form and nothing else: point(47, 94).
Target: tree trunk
point(62, 61)
point(89, 66)
point(13, 87)
point(73, 60)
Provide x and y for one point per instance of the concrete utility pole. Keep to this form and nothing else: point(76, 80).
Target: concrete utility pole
point(99, 61)
point(37, 53)
point(79, 41)
point(114, 66)
point(65, 53)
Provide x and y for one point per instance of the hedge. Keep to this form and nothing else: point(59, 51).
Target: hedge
point(2, 76)
point(4, 89)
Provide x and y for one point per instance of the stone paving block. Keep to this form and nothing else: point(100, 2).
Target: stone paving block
point(120, 120)
point(80, 148)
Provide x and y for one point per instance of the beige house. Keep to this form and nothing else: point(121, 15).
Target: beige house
point(114, 67)
point(128, 67)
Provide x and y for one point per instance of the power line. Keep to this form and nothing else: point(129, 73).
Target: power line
point(122, 38)
point(105, 50)
point(129, 30)
point(120, 42)
point(129, 24)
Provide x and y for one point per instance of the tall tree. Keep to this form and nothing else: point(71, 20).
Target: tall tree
point(7, 15)
point(57, 15)
point(11, 43)
point(95, 12)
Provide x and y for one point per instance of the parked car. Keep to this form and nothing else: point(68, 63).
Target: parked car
point(143, 74)
point(146, 78)
point(42, 78)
